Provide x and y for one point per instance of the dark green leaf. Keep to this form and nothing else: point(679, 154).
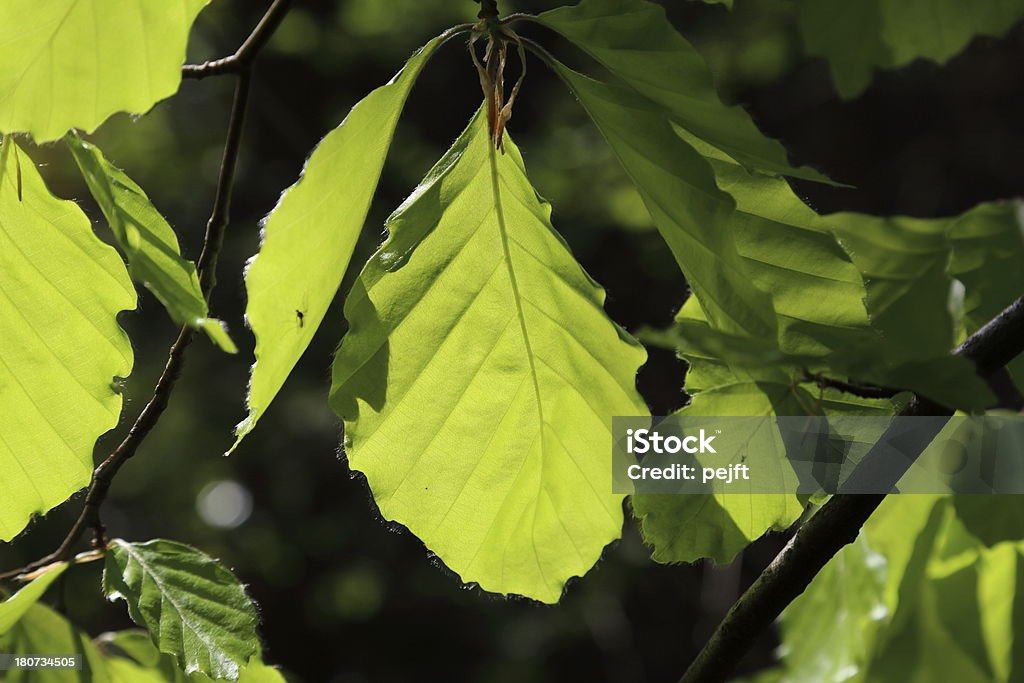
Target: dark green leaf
point(194, 608)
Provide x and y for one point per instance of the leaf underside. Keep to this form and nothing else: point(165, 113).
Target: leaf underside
point(72, 63)
point(147, 241)
point(309, 236)
point(479, 378)
point(61, 290)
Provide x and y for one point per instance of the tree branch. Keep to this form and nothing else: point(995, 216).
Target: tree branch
point(213, 240)
point(245, 55)
point(839, 521)
point(861, 390)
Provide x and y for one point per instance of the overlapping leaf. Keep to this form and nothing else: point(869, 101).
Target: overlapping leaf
point(859, 37)
point(309, 236)
point(61, 290)
point(149, 243)
point(42, 631)
point(132, 658)
point(635, 41)
point(72, 63)
point(193, 607)
point(14, 607)
point(479, 377)
point(949, 609)
point(685, 528)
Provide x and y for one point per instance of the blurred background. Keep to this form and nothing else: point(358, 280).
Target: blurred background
point(346, 598)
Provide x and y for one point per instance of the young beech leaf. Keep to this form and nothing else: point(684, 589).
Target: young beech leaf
point(859, 37)
point(12, 609)
point(41, 631)
point(61, 289)
point(309, 236)
point(72, 63)
point(148, 242)
point(479, 377)
point(634, 40)
point(193, 607)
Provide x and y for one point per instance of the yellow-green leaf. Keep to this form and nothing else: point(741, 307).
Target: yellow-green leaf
point(14, 607)
point(479, 378)
point(309, 236)
point(148, 242)
point(72, 63)
point(61, 351)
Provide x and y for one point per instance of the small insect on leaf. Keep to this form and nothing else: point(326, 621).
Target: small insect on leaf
point(301, 317)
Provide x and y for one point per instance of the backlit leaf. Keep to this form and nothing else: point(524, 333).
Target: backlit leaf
point(72, 63)
point(309, 236)
point(14, 607)
point(148, 242)
point(61, 351)
point(634, 40)
point(43, 631)
point(479, 378)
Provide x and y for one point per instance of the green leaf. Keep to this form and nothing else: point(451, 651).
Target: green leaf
point(72, 63)
point(149, 243)
point(194, 608)
point(678, 187)
point(858, 37)
point(61, 289)
point(951, 607)
point(987, 257)
point(830, 634)
point(479, 378)
point(685, 528)
point(309, 236)
point(904, 262)
point(992, 519)
point(634, 40)
point(12, 609)
point(42, 631)
point(131, 653)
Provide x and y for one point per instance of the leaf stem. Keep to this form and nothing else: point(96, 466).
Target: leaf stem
point(839, 521)
point(213, 241)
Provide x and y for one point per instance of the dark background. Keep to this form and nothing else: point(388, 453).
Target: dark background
point(345, 597)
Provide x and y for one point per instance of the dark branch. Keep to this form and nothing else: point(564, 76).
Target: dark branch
point(839, 520)
point(248, 51)
point(213, 240)
point(861, 390)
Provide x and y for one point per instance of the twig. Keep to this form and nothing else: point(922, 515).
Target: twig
point(213, 240)
point(861, 390)
point(243, 57)
point(838, 522)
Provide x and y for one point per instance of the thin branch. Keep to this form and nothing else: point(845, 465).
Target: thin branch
point(861, 390)
point(213, 240)
point(839, 521)
point(244, 56)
